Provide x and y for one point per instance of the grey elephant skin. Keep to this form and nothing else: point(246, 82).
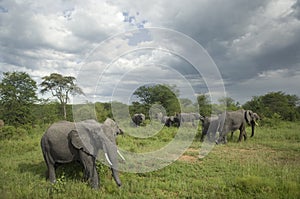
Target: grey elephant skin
point(170, 121)
point(188, 117)
point(210, 126)
point(138, 119)
point(66, 142)
point(236, 120)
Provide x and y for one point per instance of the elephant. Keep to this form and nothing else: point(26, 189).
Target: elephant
point(166, 120)
point(170, 121)
point(234, 120)
point(256, 118)
point(188, 117)
point(65, 142)
point(210, 126)
point(1, 123)
point(138, 119)
point(158, 116)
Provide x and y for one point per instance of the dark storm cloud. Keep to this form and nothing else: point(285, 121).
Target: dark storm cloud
point(222, 28)
point(296, 8)
point(249, 41)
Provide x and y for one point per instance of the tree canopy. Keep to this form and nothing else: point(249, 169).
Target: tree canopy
point(17, 95)
point(279, 103)
point(159, 94)
point(60, 87)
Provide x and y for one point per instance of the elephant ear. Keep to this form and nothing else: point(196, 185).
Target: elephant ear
point(85, 138)
point(110, 132)
point(76, 141)
point(248, 116)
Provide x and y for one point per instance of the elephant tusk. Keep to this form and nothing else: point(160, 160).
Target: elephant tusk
point(256, 123)
point(109, 162)
point(120, 155)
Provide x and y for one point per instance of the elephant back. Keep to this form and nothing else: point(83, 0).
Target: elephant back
point(59, 129)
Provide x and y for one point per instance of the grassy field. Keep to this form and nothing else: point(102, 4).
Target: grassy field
point(265, 166)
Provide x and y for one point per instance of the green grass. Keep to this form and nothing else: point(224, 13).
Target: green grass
point(265, 166)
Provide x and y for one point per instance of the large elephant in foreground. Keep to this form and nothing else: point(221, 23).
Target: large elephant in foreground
point(236, 120)
point(66, 142)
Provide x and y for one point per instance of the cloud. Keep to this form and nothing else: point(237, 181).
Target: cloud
point(248, 41)
point(268, 81)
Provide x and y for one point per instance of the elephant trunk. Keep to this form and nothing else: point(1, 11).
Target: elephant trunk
point(113, 157)
point(115, 175)
point(252, 127)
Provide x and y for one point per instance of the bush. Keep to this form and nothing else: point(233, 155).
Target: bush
point(9, 132)
point(274, 121)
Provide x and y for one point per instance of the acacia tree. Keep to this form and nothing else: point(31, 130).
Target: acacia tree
point(17, 95)
point(60, 87)
point(165, 95)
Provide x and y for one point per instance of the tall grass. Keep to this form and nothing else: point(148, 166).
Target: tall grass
point(265, 166)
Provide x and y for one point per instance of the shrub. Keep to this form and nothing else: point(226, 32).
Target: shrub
point(10, 132)
point(274, 121)
point(7, 132)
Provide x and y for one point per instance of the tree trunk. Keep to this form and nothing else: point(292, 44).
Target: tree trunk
point(64, 111)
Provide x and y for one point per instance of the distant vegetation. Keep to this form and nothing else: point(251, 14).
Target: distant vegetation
point(20, 106)
point(265, 166)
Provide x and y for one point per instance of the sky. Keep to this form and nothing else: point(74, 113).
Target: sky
point(235, 48)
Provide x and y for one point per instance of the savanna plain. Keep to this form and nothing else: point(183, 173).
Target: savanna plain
point(265, 166)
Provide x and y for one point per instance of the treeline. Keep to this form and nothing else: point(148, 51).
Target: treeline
point(19, 104)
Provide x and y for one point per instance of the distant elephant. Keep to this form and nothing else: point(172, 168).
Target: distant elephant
point(210, 126)
point(168, 121)
point(256, 118)
point(188, 117)
point(1, 123)
point(65, 142)
point(158, 116)
point(138, 119)
point(237, 120)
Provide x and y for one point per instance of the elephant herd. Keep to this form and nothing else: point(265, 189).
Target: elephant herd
point(176, 120)
point(65, 142)
point(228, 121)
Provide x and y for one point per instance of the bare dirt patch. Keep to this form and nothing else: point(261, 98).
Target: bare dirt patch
point(187, 158)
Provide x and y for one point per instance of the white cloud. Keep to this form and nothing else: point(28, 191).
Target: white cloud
point(268, 81)
point(254, 40)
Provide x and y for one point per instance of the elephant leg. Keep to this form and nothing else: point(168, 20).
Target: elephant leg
point(203, 135)
point(225, 139)
point(50, 167)
point(90, 171)
point(245, 135)
point(231, 137)
point(242, 134)
point(51, 173)
point(221, 138)
point(193, 123)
